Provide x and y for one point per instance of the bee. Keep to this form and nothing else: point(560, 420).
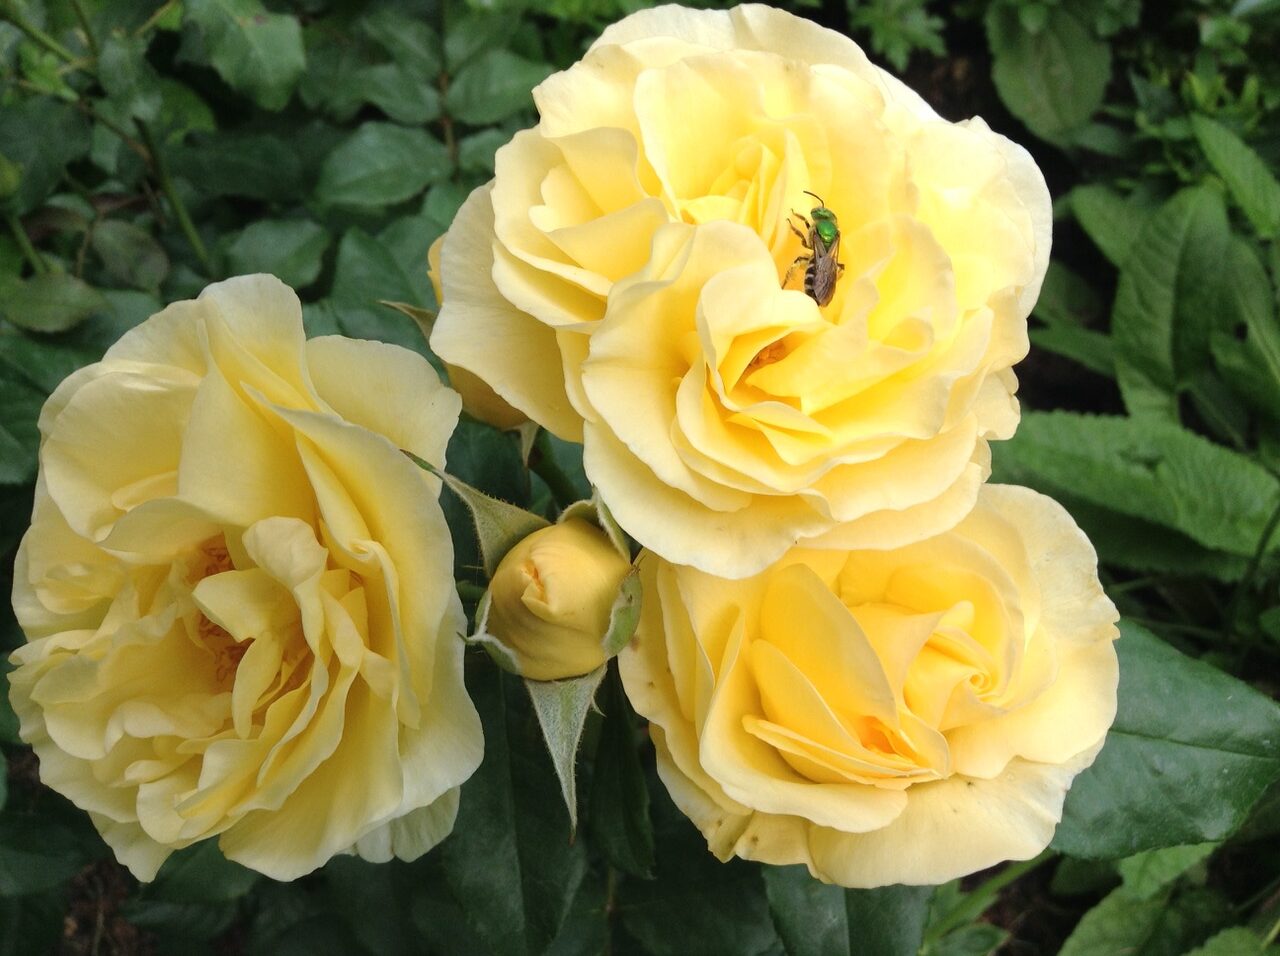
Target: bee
point(822, 239)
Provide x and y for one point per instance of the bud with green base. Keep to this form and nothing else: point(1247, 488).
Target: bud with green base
point(563, 599)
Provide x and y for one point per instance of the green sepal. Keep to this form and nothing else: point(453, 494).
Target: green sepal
point(499, 652)
point(561, 706)
point(625, 614)
point(500, 526)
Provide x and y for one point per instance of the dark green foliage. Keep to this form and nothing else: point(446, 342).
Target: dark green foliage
point(147, 149)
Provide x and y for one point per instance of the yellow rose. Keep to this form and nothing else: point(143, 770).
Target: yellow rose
point(620, 281)
point(551, 598)
point(238, 593)
point(480, 401)
point(897, 716)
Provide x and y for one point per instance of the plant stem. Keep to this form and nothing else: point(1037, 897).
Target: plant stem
point(7, 12)
point(85, 25)
point(24, 243)
point(188, 228)
point(979, 901)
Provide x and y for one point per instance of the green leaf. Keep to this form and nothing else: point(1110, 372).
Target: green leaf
point(53, 302)
point(1052, 80)
point(809, 916)
point(695, 904)
point(398, 93)
point(381, 164)
point(256, 52)
point(1192, 749)
point(256, 165)
point(37, 853)
point(19, 439)
point(8, 719)
point(1093, 350)
point(1170, 287)
point(889, 921)
point(130, 254)
point(1237, 941)
point(4, 780)
point(1247, 350)
point(561, 707)
point(1122, 925)
point(201, 874)
point(476, 152)
point(1147, 873)
point(618, 817)
point(1112, 222)
point(509, 862)
point(1066, 298)
point(1149, 470)
point(290, 249)
point(494, 86)
point(980, 939)
point(410, 41)
point(33, 923)
point(127, 76)
point(1253, 186)
point(40, 136)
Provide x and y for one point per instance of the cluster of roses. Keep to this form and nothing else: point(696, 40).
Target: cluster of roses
point(852, 653)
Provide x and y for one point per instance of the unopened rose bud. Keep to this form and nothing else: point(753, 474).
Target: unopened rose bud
point(551, 598)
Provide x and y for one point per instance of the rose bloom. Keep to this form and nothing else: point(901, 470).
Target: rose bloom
point(892, 716)
point(238, 593)
point(620, 281)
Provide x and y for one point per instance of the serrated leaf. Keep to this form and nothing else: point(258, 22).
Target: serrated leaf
point(1146, 874)
point(695, 903)
point(561, 707)
point(1253, 186)
point(130, 253)
point(980, 939)
point(290, 249)
point(1094, 350)
point(1237, 941)
point(1053, 80)
point(1124, 926)
point(127, 76)
point(398, 93)
point(411, 41)
point(257, 52)
point(810, 916)
point(37, 853)
point(619, 809)
point(53, 302)
point(33, 923)
point(1169, 289)
point(620, 820)
point(888, 921)
point(494, 86)
point(19, 439)
point(381, 164)
point(1112, 222)
point(1247, 349)
point(201, 874)
point(256, 165)
point(509, 862)
point(40, 136)
point(1152, 471)
point(1192, 749)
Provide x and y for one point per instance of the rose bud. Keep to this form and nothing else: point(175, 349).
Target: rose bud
point(551, 598)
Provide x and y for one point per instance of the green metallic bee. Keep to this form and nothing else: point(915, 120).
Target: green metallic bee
point(822, 265)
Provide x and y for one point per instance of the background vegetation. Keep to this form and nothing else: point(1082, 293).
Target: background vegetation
point(147, 149)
